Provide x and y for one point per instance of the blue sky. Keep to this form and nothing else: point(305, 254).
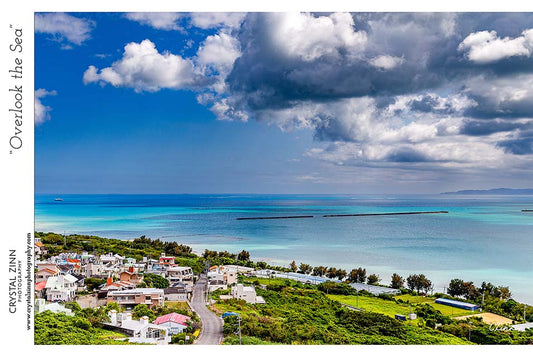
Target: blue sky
point(282, 103)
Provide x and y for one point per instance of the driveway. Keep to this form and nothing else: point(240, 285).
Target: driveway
point(211, 333)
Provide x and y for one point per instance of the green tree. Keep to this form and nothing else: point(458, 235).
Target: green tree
point(243, 256)
point(93, 283)
point(141, 310)
point(332, 272)
point(320, 271)
point(373, 279)
point(455, 287)
point(419, 282)
point(397, 281)
point(341, 274)
point(155, 281)
point(305, 268)
point(293, 267)
point(361, 275)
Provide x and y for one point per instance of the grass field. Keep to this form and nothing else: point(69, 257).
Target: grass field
point(444, 309)
point(372, 304)
point(178, 304)
point(390, 308)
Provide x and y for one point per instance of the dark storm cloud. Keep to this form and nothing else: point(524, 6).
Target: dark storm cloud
point(266, 77)
point(484, 127)
point(406, 155)
point(523, 145)
point(265, 68)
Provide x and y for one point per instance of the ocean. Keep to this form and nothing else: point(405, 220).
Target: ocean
point(481, 238)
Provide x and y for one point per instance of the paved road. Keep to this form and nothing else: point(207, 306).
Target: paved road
point(211, 333)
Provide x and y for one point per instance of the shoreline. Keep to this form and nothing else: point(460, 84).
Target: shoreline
point(440, 278)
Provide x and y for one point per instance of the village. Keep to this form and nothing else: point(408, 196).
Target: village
point(163, 299)
point(69, 277)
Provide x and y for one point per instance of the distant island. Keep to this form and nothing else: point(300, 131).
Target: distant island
point(496, 191)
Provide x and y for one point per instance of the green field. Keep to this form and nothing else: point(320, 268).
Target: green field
point(444, 309)
point(390, 308)
point(177, 304)
point(372, 304)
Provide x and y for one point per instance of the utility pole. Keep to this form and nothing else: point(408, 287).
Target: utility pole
point(239, 320)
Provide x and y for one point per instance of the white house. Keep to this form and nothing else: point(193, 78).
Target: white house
point(41, 306)
point(176, 323)
point(140, 331)
point(61, 288)
point(246, 293)
point(181, 274)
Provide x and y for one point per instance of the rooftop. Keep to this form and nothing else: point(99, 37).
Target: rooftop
point(172, 317)
point(138, 291)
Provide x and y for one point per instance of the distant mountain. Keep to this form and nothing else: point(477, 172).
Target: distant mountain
point(497, 191)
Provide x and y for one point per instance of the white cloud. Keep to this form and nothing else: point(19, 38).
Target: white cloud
point(42, 112)
point(143, 68)
point(207, 20)
point(386, 62)
point(307, 37)
point(217, 54)
point(486, 47)
point(157, 20)
point(64, 27)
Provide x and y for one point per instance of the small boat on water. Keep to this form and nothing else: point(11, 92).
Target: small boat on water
point(58, 199)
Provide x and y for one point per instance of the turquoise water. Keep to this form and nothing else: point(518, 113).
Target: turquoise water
point(481, 238)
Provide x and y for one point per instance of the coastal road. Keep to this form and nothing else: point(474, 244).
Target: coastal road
point(211, 333)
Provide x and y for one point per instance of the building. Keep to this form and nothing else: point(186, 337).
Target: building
point(94, 270)
point(129, 298)
point(61, 288)
point(246, 293)
point(238, 269)
point(166, 260)
point(179, 274)
point(176, 323)
point(176, 293)
point(223, 273)
point(41, 306)
point(129, 275)
point(140, 331)
point(39, 248)
point(457, 304)
point(45, 272)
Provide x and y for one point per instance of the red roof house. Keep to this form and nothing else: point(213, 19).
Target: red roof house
point(176, 322)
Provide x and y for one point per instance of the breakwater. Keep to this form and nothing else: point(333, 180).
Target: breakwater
point(345, 215)
point(381, 214)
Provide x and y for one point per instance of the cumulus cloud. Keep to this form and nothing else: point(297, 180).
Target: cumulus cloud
point(207, 20)
point(386, 62)
point(42, 112)
point(305, 36)
point(157, 20)
point(216, 55)
point(374, 89)
point(143, 68)
point(500, 97)
point(64, 28)
point(486, 47)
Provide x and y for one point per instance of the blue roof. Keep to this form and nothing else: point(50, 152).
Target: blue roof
point(456, 303)
point(226, 314)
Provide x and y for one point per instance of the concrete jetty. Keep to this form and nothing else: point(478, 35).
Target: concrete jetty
point(380, 214)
